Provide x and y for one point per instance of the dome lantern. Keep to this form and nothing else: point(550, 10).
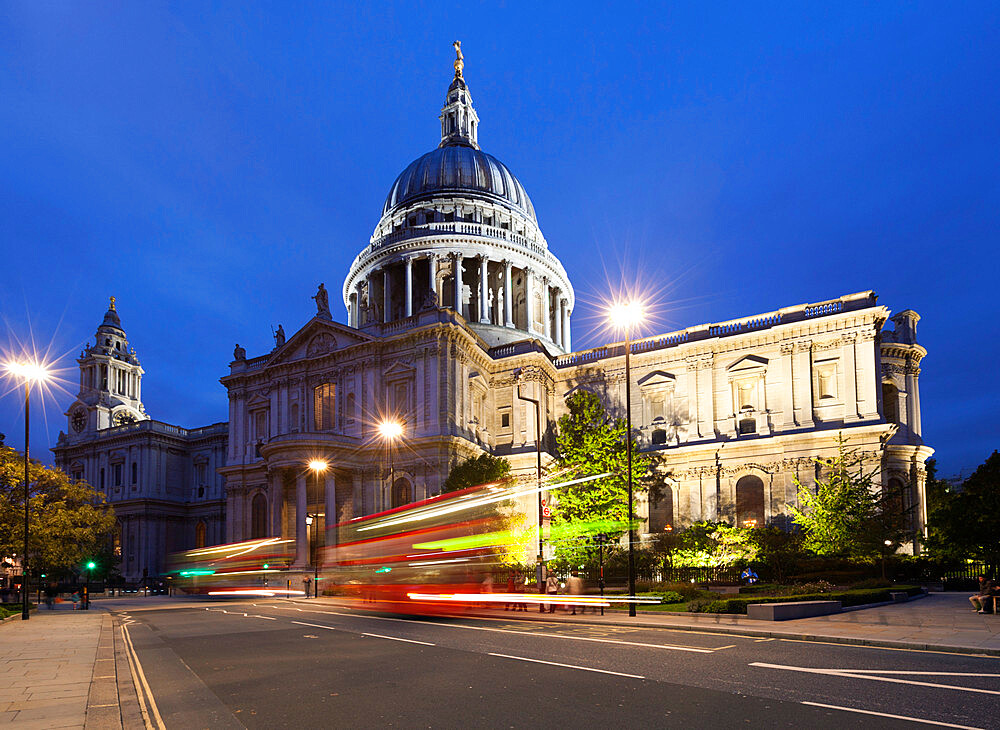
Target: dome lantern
point(459, 121)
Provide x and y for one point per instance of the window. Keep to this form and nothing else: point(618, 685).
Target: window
point(258, 517)
point(505, 419)
point(199, 534)
point(659, 437)
point(260, 424)
point(323, 414)
point(77, 476)
point(104, 377)
point(349, 409)
point(826, 382)
point(890, 402)
point(201, 471)
point(750, 502)
point(102, 478)
point(135, 472)
point(661, 513)
point(294, 418)
point(118, 474)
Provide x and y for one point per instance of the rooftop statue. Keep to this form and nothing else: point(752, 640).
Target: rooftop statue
point(322, 303)
point(459, 59)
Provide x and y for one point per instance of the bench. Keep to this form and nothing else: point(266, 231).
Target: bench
point(791, 609)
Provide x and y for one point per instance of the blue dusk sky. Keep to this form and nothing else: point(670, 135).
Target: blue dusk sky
point(210, 163)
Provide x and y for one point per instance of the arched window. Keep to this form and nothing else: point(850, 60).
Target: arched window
point(258, 517)
point(750, 502)
point(402, 492)
point(890, 402)
point(199, 534)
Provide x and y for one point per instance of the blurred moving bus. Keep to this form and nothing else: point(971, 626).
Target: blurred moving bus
point(423, 557)
point(254, 567)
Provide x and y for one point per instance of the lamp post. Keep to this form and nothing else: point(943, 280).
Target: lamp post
point(86, 586)
point(390, 431)
point(540, 560)
point(317, 467)
point(625, 316)
point(29, 372)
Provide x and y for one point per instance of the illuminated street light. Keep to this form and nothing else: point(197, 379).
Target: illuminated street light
point(29, 372)
point(317, 467)
point(390, 431)
point(625, 316)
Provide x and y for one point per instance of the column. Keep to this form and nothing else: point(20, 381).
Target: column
point(352, 309)
point(371, 296)
point(529, 299)
point(568, 342)
point(386, 295)
point(276, 500)
point(484, 286)
point(330, 492)
point(458, 283)
point(546, 307)
point(508, 304)
point(301, 536)
point(559, 307)
point(409, 287)
point(432, 275)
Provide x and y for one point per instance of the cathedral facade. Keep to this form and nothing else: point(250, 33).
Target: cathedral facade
point(458, 326)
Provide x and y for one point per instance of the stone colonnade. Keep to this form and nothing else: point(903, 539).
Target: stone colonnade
point(486, 291)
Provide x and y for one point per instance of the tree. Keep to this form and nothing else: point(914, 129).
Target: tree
point(850, 513)
point(477, 470)
point(966, 523)
point(590, 442)
point(70, 521)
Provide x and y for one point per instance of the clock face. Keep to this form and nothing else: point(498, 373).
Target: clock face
point(123, 418)
point(79, 421)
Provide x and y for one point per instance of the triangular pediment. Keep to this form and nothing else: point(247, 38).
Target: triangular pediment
point(399, 370)
point(748, 363)
point(319, 337)
point(655, 378)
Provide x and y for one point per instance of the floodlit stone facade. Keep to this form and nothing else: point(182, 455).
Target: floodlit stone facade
point(458, 323)
point(161, 479)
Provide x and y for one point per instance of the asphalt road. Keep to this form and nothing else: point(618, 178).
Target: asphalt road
point(294, 664)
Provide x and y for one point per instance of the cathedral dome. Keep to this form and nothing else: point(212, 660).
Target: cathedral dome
point(458, 170)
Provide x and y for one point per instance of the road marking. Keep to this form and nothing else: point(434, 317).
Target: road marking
point(890, 648)
point(758, 641)
point(238, 613)
point(696, 650)
point(396, 638)
point(568, 666)
point(720, 648)
point(929, 674)
point(142, 690)
point(894, 717)
point(852, 675)
point(315, 626)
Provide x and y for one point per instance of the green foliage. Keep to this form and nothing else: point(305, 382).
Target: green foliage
point(591, 442)
point(846, 598)
point(965, 524)
point(70, 522)
point(849, 513)
point(475, 471)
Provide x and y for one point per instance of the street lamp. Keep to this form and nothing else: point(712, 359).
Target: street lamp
point(86, 586)
point(317, 467)
point(624, 316)
point(539, 561)
point(390, 431)
point(29, 372)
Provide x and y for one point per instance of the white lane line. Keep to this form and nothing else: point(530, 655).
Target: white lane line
point(720, 648)
point(758, 641)
point(926, 674)
point(519, 633)
point(568, 666)
point(894, 717)
point(853, 675)
point(315, 626)
point(396, 638)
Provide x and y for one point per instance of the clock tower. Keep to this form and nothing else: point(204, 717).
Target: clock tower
point(110, 381)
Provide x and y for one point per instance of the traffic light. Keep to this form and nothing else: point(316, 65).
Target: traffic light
point(91, 565)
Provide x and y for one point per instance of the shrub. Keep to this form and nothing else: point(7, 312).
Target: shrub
point(871, 583)
point(847, 598)
point(700, 605)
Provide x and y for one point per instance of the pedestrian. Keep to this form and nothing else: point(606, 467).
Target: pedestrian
point(574, 586)
point(552, 588)
point(50, 595)
point(976, 599)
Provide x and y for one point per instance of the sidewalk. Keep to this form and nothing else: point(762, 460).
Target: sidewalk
point(59, 669)
point(937, 622)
